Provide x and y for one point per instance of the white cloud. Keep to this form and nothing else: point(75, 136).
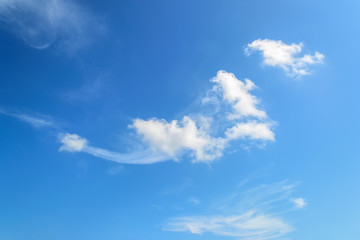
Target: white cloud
point(277, 53)
point(172, 138)
point(299, 202)
point(36, 120)
point(195, 135)
point(72, 143)
point(203, 136)
point(252, 130)
point(40, 23)
point(255, 213)
point(236, 93)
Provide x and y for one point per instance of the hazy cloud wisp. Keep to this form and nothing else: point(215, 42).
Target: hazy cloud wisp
point(41, 23)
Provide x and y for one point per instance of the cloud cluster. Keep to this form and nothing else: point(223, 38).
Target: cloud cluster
point(245, 121)
point(40, 23)
point(252, 213)
point(239, 119)
point(279, 54)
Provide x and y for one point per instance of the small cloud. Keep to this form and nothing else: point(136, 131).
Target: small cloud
point(299, 202)
point(72, 142)
point(279, 54)
point(252, 130)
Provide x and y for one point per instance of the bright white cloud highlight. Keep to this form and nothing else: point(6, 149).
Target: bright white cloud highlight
point(172, 138)
point(279, 54)
point(72, 143)
point(252, 130)
point(299, 202)
point(41, 23)
point(237, 93)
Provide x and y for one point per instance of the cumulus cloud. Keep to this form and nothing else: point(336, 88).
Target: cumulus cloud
point(237, 93)
point(41, 23)
point(279, 54)
point(235, 115)
point(72, 143)
point(172, 138)
point(252, 213)
point(252, 130)
point(244, 120)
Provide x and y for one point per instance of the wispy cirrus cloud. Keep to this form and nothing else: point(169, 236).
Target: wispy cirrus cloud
point(34, 119)
point(232, 106)
point(41, 23)
point(285, 56)
point(255, 213)
point(75, 143)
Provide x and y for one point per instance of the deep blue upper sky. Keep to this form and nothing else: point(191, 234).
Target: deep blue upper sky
point(134, 120)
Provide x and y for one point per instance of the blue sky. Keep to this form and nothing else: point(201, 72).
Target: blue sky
point(179, 120)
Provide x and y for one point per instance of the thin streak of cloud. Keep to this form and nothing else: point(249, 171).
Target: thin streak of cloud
point(256, 213)
point(35, 120)
point(75, 143)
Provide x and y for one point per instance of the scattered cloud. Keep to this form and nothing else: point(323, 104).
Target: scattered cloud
point(299, 202)
point(250, 225)
point(279, 54)
point(203, 136)
point(255, 213)
point(34, 119)
point(41, 23)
